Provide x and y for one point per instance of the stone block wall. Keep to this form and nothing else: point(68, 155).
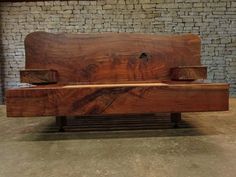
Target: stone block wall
point(213, 20)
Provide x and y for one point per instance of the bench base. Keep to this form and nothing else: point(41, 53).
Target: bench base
point(61, 121)
point(175, 118)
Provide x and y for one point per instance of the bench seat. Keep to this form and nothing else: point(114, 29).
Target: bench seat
point(103, 99)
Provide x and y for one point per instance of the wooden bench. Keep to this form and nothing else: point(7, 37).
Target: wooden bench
point(111, 73)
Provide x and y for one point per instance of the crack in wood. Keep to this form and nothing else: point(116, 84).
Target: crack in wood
point(104, 92)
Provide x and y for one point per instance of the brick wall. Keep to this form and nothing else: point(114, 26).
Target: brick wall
point(213, 20)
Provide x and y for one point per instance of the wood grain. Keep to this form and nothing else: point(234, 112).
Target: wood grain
point(38, 76)
point(102, 100)
point(103, 74)
point(188, 73)
point(111, 57)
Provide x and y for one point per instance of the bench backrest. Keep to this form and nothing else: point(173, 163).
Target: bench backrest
point(111, 57)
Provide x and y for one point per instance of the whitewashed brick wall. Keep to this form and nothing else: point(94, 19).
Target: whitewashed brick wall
point(213, 20)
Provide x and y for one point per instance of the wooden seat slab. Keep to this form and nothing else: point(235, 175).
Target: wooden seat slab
point(103, 99)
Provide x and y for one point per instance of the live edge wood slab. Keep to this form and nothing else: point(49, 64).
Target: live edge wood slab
point(111, 57)
point(111, 73)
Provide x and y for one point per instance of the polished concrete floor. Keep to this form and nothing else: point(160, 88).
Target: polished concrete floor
point(203, 146)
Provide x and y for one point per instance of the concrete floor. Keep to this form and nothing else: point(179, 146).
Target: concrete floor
point(204, 146)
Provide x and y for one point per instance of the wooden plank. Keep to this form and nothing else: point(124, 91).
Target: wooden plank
point(188, 73)
point(116, 99)
point(111, 57)
point(38, 76)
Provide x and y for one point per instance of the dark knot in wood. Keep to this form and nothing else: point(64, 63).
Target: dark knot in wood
point(144, 56)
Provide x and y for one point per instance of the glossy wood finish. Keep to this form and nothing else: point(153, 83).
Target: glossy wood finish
point(116, 99)
point(186, 73)
point(103, 74)
point(111, 57)
point(38, 76)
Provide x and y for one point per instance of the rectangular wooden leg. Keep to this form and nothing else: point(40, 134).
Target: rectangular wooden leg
point(61, 121)
point(175, 118)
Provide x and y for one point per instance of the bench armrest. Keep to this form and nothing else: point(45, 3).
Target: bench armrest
point(188, 73)
point(39, 76)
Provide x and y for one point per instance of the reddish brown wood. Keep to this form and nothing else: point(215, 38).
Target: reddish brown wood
point(116, 99)
point(133, 72)
point(38, 76)
point(111, 57)
point(188, 73)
